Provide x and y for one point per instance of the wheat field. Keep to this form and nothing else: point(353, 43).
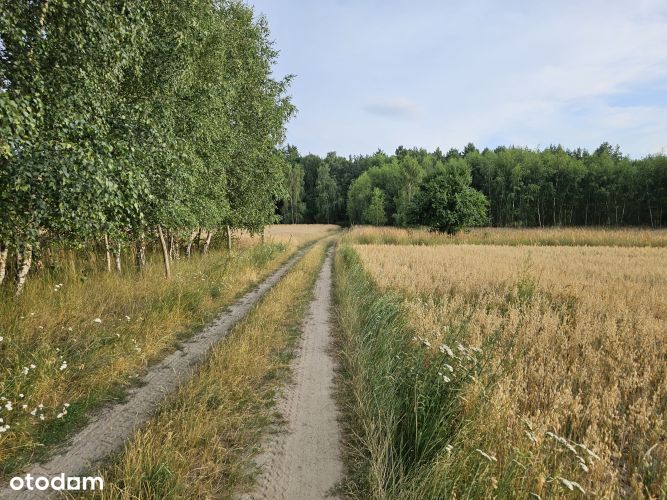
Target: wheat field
point(556, 356)
point(549, 236)
point(290, 234)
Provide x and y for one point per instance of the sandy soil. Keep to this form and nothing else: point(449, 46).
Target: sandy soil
point(108, 431)
point(304, 461)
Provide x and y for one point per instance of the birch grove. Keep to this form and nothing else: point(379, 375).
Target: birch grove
point(135, 121)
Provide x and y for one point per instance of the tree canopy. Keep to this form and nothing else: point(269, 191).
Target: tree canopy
point(523, 187)
point(121, 117)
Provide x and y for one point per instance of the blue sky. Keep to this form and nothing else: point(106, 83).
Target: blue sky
point(381, 73)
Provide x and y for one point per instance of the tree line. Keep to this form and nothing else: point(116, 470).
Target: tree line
point(125, 121)
point(522, 187)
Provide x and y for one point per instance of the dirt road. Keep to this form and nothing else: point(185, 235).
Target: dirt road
point(107, 432)
point(304, 461)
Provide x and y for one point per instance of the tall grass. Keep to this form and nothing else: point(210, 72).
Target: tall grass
point(79, 336)
point(201, 443)
point(504, 371)
point(399, 413)
point(573, 236)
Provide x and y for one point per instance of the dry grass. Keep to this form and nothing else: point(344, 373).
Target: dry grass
point(507, 236)
point(292, 234)
point(201, 443)
point(83, 342)
point(556, 358)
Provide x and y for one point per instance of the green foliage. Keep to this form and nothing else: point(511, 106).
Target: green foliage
point(375, 213)
point(550, 187)
point(447, 202)
point(119, 117)
point(293, 206)
point(327, 200)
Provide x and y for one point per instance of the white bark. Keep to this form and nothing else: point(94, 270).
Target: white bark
point(207, 244)
point(140, 258)
point(165, 253)
point(108, 251)
point(23, 269)
point(188, 248)
point(4, 253)
point(117, 258)
point(229, 238)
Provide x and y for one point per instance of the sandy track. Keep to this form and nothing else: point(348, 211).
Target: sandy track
point(304, 461)
point(108, 431)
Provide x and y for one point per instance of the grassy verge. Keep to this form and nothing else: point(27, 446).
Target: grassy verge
point(78, 338)
point(392, 426)
point(201, 443)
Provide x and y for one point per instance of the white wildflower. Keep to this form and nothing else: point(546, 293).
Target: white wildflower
point(63, 366)
point(21, 396)
point(128, 318)
point(97, 320)
point(2, 338)
point(24, 407)
point(33, 412)
point(24, 370)
point(449, 367)
point(426, 343)
point(449, 448)
point(32, 367)
point(444, 348)
point(41, 416)
point(8, 406)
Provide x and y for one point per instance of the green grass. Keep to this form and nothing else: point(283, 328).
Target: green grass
point(400, 415)
point(45, 328)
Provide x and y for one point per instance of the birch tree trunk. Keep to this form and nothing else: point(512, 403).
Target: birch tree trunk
point(117, 258)
point(229, 238)
point(165, 253)
point(140, 259)
point(108, 251)
point(23, 269)
point(188, 248)
point(4, 253)
point(209, 237)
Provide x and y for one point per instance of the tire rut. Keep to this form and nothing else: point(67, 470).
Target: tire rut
point(303, 461)
point(112, 426)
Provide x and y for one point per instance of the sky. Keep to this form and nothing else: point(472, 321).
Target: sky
point(376, 74)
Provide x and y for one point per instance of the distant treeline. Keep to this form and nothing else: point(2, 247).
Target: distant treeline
point(524, 187)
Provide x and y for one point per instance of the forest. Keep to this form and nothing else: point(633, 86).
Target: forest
point(124, 121)
point(524, 187)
